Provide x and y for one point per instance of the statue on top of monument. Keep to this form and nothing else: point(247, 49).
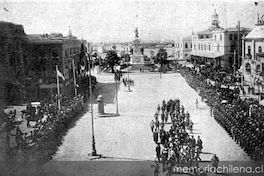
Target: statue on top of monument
point(136, 32)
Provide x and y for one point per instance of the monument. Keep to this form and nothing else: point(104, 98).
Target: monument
point(137, 57)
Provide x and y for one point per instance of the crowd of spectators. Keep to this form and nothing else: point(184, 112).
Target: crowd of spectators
point(241, 118)
point(42, 123)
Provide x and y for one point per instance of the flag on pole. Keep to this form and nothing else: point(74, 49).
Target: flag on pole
point(60, 75)
point(5, 9)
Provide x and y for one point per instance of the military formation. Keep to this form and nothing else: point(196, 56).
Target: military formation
point(241, 118)
point(175, 146)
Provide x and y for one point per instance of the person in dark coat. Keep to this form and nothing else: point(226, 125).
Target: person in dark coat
point(155, 136)
point(158, 152)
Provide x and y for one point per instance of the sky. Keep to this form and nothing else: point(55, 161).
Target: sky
point(116, 20)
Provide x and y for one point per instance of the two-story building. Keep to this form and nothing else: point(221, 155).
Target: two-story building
point(44, 52)
point(183, 48)
point(12, 70)
point(253, 55)
point(218, 46)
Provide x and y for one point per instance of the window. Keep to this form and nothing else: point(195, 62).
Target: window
point(230, 36)
point(209, 47)
point(235, 36)
point(201, 47)
point(215, 37)
point(248, 67)
point(218, 47)
point(186, 45)
point(260, 49)
point(249, 50)
point(258, 68)
point(204, 47)
point(194, 47)
point(220, 37)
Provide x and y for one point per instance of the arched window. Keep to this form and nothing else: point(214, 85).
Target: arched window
point(260, 49)
point(249, 50)
point(248, 67)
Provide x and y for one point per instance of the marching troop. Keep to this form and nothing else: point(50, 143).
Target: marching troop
point(175, 146)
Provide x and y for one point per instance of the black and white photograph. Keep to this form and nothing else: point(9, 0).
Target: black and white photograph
point(131, 88)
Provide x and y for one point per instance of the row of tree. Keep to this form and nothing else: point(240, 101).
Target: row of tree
point(112, 59)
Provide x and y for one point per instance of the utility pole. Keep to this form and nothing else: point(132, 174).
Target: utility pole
point(234, 64)
point(239, 43)
point(74, 77)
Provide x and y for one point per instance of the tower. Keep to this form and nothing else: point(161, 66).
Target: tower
point(215, 21)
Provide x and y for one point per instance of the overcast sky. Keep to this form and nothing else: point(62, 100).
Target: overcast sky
point(116, 20)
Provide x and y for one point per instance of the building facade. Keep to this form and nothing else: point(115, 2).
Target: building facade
point(12, 74)
point(253, 55)
point(44, 52)
point(183, 48)
point(218, 46)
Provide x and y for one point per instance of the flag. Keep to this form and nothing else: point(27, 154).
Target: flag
point(5, 9)
point(59, 74)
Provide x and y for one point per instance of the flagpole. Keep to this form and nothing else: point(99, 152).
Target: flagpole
point(58, 88)
point(74, 77)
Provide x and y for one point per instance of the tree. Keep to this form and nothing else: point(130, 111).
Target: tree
point(161, 57)
point(112, 59)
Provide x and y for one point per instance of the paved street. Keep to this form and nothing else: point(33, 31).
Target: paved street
point(128, 136)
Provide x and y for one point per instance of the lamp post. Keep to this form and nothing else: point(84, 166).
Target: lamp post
point(91, 104)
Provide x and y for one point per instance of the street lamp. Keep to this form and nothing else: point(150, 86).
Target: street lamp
point(91, 104)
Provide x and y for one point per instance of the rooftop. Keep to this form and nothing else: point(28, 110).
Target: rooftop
point(256, 33)
point(49, 38)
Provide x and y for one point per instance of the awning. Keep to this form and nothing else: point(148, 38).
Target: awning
point(209, 55)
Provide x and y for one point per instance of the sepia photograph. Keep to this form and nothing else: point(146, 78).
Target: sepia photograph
point(131, 88)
